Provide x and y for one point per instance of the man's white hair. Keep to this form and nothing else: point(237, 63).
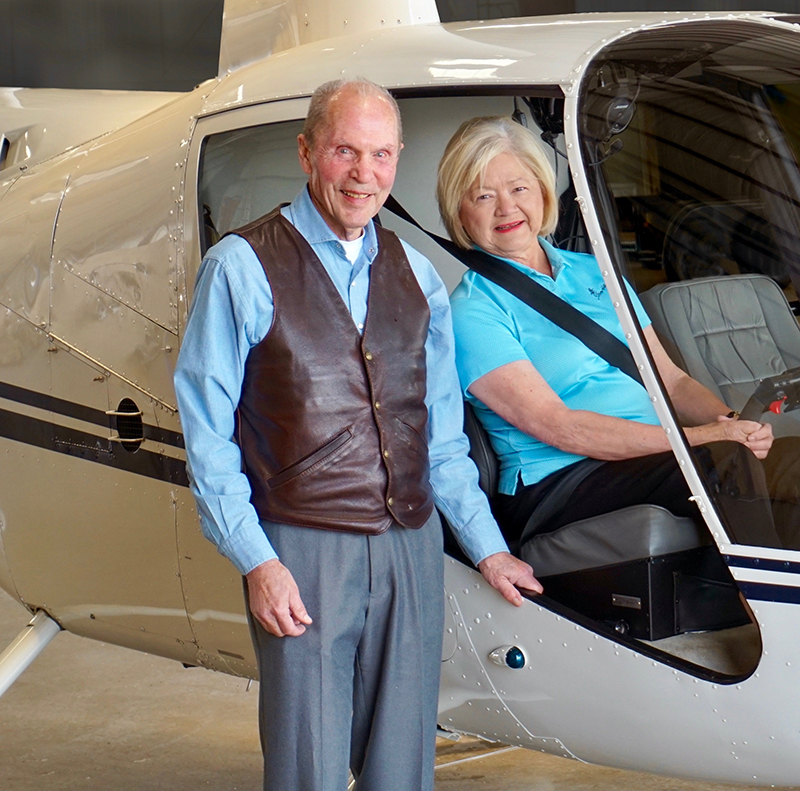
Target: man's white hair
point(321, 98)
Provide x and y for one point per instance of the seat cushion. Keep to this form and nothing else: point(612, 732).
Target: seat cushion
point(633, 533)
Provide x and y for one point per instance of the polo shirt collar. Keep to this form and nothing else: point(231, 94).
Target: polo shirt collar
point(557, 261)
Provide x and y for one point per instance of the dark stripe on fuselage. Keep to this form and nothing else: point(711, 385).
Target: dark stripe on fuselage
point(765, 591)
point(83, 445)
point(81, 412)
point(785, 566)
point(762, 591)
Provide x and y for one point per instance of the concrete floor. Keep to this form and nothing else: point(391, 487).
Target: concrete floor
point(88, 715)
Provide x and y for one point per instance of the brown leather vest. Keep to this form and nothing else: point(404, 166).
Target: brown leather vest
point(332, 424)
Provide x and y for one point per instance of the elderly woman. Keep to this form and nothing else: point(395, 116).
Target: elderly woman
point(547, 401)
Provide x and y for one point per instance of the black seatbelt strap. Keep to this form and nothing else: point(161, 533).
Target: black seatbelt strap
point(553, 308)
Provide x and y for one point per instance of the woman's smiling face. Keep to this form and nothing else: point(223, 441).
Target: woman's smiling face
point(502, 212)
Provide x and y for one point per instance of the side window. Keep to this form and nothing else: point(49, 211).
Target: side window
point(245, 173)
point(694, 169)
point(703, 176)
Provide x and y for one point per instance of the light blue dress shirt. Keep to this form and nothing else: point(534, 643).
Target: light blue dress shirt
point(231, 312)
point(494, 328)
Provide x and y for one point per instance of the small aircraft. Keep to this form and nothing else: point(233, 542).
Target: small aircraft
point(676, 141)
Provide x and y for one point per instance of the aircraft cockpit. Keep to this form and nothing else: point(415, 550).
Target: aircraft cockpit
point(690, 146)
point(690, 151)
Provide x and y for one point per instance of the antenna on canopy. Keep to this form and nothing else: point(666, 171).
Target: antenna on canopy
point(256, 29)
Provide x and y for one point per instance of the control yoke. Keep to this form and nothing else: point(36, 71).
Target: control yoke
point(778, 394)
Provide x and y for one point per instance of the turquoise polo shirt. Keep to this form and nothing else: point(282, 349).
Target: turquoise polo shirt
point(494, 328)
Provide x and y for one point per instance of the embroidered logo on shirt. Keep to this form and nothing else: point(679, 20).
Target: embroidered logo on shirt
point(597, 294)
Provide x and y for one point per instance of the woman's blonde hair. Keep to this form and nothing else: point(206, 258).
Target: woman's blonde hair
point(466, 157)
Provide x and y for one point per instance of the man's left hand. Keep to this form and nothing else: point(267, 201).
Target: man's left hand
point(506, 573)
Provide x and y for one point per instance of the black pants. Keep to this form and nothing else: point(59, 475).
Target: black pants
point(753, 497)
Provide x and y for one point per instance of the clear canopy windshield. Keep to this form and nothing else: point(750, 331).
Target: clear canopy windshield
point(691, 141)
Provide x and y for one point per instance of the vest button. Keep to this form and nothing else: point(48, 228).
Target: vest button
point(368, 355)
point(390, 501)
point(377, 405)
point(386, 454)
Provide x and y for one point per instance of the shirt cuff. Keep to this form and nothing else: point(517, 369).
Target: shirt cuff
point(480, 538)
point(247, 549)
point(479, 551)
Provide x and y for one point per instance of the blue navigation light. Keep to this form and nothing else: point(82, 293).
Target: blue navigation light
point(515, 659)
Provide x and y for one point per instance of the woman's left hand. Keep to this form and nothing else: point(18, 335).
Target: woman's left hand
point(757, 437)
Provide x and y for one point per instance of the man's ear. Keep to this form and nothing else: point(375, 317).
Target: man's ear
point(304, 154)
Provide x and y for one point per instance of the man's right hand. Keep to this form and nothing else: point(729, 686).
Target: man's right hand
point(506, 573)
point(275, 600)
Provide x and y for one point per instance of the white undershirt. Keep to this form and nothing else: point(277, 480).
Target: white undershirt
point(352, 249)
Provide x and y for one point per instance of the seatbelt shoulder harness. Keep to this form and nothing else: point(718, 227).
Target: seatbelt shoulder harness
point(552, 307)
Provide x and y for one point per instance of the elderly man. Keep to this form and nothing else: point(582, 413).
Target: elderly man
point(322, 417)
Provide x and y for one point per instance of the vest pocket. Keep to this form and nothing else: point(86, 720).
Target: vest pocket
point(411, 437)
point(312, 460)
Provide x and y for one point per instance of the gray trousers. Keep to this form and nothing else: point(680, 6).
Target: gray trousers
point(360, 687)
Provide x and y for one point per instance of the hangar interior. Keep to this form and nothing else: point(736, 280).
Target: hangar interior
point(245, 171)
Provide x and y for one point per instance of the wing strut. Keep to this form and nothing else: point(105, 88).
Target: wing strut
point(28, 644)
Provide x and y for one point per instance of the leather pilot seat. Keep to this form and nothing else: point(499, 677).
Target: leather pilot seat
point(641, 569)
point(729, 333)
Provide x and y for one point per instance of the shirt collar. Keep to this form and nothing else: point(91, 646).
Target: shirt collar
point(557, 260)
point(305, 217)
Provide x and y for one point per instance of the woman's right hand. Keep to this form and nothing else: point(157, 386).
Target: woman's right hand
point(755, 436)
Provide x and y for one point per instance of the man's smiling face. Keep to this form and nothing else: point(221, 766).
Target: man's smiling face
point(353, 160)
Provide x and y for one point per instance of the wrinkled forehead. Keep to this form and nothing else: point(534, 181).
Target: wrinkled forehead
point(350, 115)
